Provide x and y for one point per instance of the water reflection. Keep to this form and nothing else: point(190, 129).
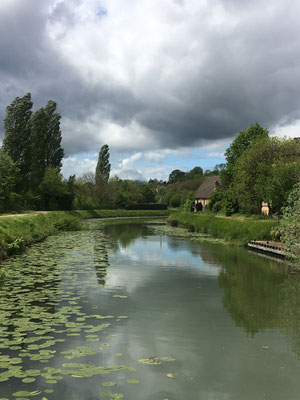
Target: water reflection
point(100, 263)
point(251, 288)
point(259, 294)
point(289, 311)
point(125, 233)
point(221, 314)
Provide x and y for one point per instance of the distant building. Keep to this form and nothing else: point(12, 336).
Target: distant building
point(207, 187)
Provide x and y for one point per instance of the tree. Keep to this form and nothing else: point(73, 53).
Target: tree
point(242, 141)
point(17, 140)
point(53, 188)
point(266, 171)
point(196, 171)
point(176, 175)
point(46, 142)
point(290, 225)
point(103, 166)
point(148, 194)
point(9, 175)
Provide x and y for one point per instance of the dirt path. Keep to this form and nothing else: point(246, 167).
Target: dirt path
point(24, 214)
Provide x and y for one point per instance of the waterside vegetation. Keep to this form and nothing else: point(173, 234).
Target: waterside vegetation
point(233, 230)
point(18, 232)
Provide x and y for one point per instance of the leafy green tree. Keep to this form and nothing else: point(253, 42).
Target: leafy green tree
point(176, 200)
point(46, 142)
point(103, 166)
point(176, 175)
point(17, 139)
point(242, 141)
point(216, 200)
point(148, 194)
point(53, 188)
point(290, 225)
point(196, 171)
point(266, 171)
point(9, 176)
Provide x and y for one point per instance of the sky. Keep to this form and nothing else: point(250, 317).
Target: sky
point(166, 84)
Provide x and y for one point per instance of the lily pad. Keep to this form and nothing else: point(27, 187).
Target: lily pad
point(132, 381)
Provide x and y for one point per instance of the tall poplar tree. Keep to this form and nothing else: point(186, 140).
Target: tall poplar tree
point(46, 142)
point(17, 140)
point(103, 166)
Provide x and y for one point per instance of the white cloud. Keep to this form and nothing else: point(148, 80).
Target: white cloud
point(151, 76)
point(291, 130)
point(128, 169)
point(78, 166)
point(158, 156)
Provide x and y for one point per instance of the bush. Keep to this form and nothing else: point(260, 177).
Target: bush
point(16, 247)
point(175, 201)
point(290, 226)
point(146, 206)
point(241, 231)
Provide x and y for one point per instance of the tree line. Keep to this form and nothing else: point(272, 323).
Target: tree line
point(258, 168)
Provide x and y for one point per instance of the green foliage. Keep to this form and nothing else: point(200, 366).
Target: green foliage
point(264, 172)
point(236, 230)
point(196, 171)
point(175, 200)
point(188, 204)
point(18, 232)
point(148, 194)
point(33, 141)
point(242, 141)
point(45, 142)
point(53, 188)
point(103, 166)
point(84, 214)
point(16, 246)
point(17, 139)
point(230, 202)
point(215, 200)
point(290, 226)
point(176, 175)
point(9, 175)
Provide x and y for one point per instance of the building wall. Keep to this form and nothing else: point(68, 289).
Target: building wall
point(204, 203)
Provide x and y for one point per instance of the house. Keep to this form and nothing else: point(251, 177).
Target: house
point(207, 187)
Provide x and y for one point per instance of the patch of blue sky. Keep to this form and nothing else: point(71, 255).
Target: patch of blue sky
point(188, 161)
point(101, 12)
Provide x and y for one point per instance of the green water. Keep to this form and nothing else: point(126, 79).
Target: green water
point(123, 312)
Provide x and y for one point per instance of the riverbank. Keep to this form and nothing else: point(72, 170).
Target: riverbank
point(20, 231)
point(87, 214)
point(237, 231)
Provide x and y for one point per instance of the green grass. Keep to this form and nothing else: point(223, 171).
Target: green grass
point(239, 231)
point(85, 214)
point(18, 232)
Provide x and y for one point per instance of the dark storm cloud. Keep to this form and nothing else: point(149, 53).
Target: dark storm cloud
point(202, 74)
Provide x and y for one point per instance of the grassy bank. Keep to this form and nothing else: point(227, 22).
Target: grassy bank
point(239, 231)
point(85, 214)
point(18, 232)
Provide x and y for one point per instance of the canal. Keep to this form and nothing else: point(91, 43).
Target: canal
point(124, 311)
